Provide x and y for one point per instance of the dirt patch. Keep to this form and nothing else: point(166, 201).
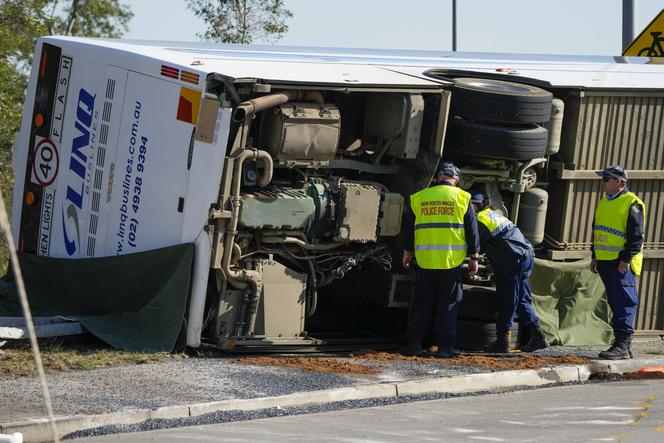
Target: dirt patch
point(319, 364)
point(312, 364)
point(515, 361)
point(641, 375)
point(636, 375)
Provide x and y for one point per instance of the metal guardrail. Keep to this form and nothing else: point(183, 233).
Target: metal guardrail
point(15, 328)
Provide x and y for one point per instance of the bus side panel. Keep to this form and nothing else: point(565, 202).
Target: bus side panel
point(60, 155)
point(151, 169)
point(207, 164)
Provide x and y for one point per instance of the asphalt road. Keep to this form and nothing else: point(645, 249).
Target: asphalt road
point(616, 411)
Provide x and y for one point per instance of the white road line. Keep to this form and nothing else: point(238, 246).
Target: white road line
point(465, 431)
point(562, 414)
point(487, 438)
point(595, 408)
point(598, 422)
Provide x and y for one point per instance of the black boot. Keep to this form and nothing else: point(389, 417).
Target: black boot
point(536, 340)
point(447, 352)
point(621, 348)
point(412, 349)
point(501, 345)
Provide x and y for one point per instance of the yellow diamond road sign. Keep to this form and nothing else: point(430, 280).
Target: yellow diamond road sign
point(650, 43)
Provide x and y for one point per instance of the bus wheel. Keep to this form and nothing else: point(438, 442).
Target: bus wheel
point(500, 101)
point(475, 335)
point(522, 142)
point(478, 303)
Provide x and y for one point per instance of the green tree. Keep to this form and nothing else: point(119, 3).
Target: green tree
point(21, 22)
point(242, 21)
point(89, 18)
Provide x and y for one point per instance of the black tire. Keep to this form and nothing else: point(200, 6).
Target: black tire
point(523, 142)
point(478, 303)
point(473, 335)
point(500, 101)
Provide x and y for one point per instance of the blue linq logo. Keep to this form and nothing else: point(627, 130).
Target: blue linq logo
point(77, 164)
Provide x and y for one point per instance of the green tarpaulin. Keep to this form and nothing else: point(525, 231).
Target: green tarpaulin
point(570, 302)
point(134, 302)
point(137, 302)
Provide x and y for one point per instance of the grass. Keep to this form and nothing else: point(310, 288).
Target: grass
point(67, 355)
point(62, 354)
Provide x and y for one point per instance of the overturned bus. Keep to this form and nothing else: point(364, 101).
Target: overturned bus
point(288, 169)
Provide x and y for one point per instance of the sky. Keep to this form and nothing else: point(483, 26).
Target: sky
point(523, 26)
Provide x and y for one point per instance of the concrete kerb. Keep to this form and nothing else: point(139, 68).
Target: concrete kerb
point(488, 382)
point(38, 430)
point(621, 366)
point(362, 392)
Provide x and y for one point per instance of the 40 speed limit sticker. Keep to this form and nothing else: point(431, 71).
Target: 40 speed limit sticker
point(45, 163)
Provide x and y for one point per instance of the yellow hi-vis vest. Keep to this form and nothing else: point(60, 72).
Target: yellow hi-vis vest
point(494, 222)
point(440, 238)
point(610, 233)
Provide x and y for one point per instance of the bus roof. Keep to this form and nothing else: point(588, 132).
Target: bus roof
point(381, 66)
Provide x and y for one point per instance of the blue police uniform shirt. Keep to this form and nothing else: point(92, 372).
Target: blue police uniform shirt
point(505, 248)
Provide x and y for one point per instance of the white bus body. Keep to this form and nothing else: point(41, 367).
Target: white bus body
point(128, 146)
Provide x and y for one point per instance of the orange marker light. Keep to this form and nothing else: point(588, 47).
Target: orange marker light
point(30, 198)
point(39, 120)
point(42, 63)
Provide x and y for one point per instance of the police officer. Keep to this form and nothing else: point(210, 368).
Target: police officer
point(441, 230)
point(618, 231)
point(511, 257)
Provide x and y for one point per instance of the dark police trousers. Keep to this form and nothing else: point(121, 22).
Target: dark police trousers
point(620, 293)
point(513, 295)
point(437, 291)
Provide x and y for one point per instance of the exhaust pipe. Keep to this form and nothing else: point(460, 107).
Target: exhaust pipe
point(251, 107)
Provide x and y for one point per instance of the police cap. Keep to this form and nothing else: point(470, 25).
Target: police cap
point(449, 169)
point(614, 171)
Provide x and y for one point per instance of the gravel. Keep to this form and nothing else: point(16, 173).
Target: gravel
point(151, 386)
point(193, 380)
point(642, 347)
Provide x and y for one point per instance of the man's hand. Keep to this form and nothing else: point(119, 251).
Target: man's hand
point(623, 267)
point(472, 267)
point(407, 258)
point(593, 266)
